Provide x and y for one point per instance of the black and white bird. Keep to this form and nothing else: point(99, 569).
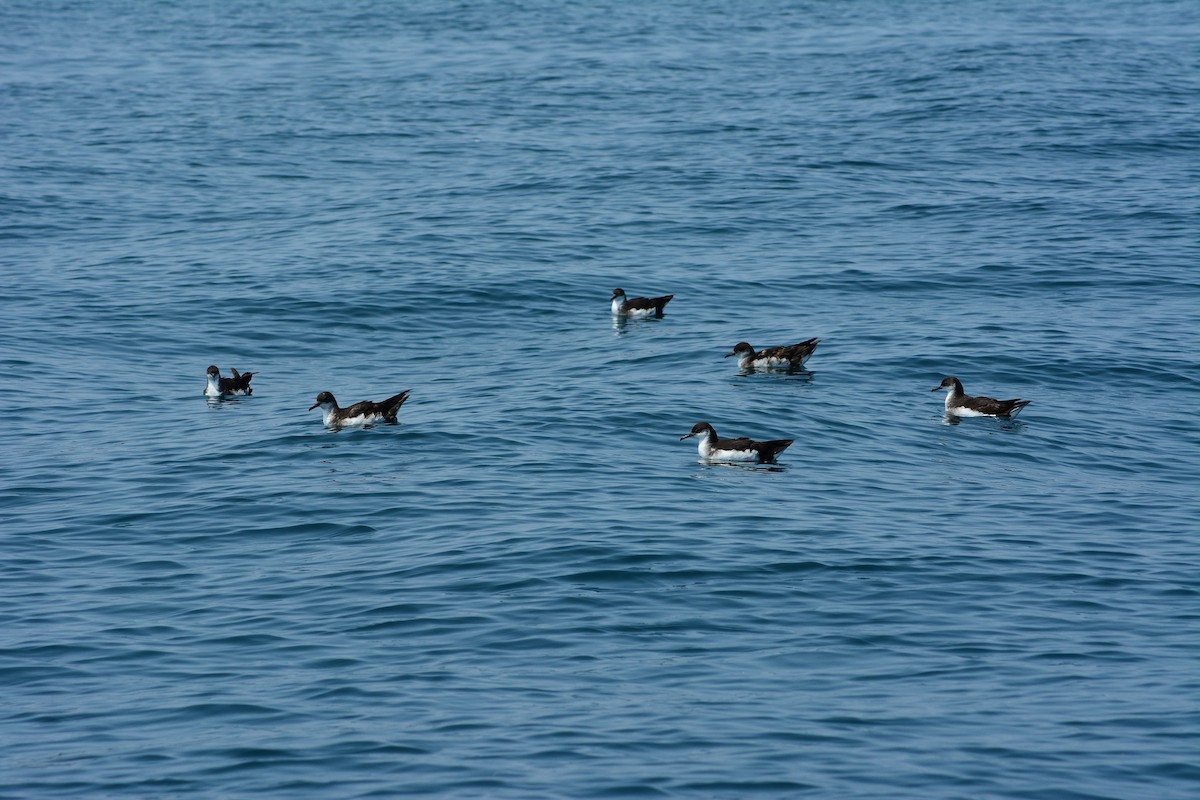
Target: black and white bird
point(790, 356)
point(217, 386)
point(362, 413)
point(713, 448)
point(961, 404)
point(638, 306)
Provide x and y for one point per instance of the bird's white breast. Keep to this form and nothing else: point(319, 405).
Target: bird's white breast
point(361, 419)
point(632, 312)
point(769, 361)
point(709, 452)
point(962, 411)
point(734, 455)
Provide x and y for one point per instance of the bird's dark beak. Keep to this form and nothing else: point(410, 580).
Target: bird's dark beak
point(688, 436)
point(314, 405)
point(727, 355)
point(934, 389)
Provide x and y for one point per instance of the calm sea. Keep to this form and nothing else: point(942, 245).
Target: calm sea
point(530, 588)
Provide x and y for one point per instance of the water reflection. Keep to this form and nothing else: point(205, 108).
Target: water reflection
point(778, 374)
point(748, 466)
point(1004, 424)
point(227, 400)
point(622, 324)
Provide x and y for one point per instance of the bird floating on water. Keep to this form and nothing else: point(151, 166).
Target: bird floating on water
point(713, 448)
point(791, 356)
point(961, 404)
point(217, 386)
point(638, 306)
point(362, 413)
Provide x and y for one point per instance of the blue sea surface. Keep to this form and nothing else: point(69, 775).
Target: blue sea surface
point(529, 587)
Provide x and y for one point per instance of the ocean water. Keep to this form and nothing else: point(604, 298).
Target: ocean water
point(529, 587)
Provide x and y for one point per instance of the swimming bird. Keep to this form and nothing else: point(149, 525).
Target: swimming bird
point(716, 449)
point(791, 356)
point(218, 386)
point(962, 404)
point(360, 413)
point(638, 306)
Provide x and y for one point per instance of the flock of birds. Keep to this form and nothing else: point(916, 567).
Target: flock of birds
point(712, 447)
point(363, 413)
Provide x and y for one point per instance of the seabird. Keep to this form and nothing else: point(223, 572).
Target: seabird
point(791, 356)
point(713, 448)
point(218, 386)
point(360, 413)
point(638, 306)
point(962, 404)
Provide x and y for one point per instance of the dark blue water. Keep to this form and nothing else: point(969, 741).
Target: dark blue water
point(529, 587)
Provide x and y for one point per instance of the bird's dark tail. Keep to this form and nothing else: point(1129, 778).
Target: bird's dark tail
point(768, 450)
point(241, 380)
point(1017, 406)
point(392, 404)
